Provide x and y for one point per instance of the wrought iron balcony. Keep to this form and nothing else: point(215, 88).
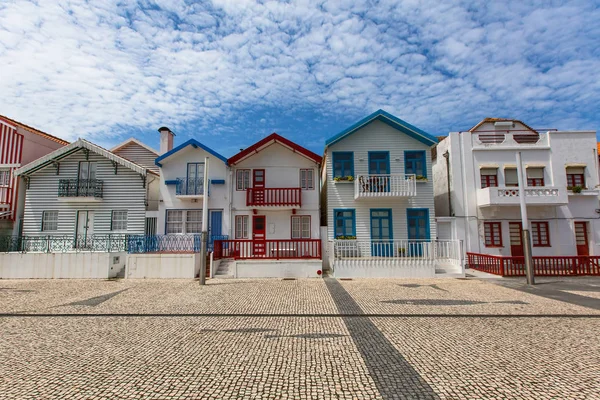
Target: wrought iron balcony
point(80, 188)
point(190, 187)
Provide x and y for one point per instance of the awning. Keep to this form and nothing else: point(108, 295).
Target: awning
point(510, 166)
point(482, 166)
point(535, 165)
point(575, 165)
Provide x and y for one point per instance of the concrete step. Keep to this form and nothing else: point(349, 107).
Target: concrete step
point(223, 276)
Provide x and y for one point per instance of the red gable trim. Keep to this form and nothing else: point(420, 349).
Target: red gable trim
point(256, 147)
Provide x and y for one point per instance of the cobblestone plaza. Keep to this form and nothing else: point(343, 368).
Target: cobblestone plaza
point(296, 339)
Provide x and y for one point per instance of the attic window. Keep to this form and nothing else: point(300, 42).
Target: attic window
point(504, 124)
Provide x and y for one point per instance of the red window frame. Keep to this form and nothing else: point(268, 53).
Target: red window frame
point(535, 182)
point(489, 181)
point(540, 233)
point(575, 180)
point(493, 229)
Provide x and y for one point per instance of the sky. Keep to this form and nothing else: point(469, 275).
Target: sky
point(229, 72)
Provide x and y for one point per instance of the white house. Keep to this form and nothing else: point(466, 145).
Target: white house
point(378, 193)
point(477, 197)
point(274, 211)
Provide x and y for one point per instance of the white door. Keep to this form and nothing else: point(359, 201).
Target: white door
point(85, 228)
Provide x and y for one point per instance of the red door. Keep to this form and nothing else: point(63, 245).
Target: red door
point(581, 239)
point(258, 185)
point(516, 239)
point(258, 235)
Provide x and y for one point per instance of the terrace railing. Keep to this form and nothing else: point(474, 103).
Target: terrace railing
point(64, 243)
point(268, 249)
point(190, 187)
point(274, 197)
point(542, 266)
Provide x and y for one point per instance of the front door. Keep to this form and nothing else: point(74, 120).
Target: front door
point(581, 238)
point(381, 233)
point(84, 229)
point(379, 164)
point(258, 235)
point(215, 226)
point(515, 230)
point(417, 220)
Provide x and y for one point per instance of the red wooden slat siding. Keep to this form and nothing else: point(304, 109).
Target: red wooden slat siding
point(11, 152)
point(274, 249)
point(273, 197)
point(542, 266)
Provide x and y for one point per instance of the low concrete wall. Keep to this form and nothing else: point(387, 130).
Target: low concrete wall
point(166, 266)
point(372, 269)
point(84, 265)
point(277, 268)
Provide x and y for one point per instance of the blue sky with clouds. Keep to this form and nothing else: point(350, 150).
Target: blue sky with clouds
point(229, 72)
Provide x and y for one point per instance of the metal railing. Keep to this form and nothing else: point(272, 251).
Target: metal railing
point(274, 197)
point(385, 185)
point(268, 249)
point(190, 187)
point(543, 266)
point(80, 188)
point(64, 243)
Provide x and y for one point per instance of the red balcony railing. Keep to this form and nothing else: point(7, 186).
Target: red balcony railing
point(267, 249)
point(274, 197)
point(542, 266)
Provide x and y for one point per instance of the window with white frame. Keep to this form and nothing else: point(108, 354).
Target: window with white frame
point(242, 179)
point(119, 220)
point(193, 221)
point(307, 179)
point(241, 227)
point(49, 221)
point(301, 227)
point(4, 177)
point(174, 221)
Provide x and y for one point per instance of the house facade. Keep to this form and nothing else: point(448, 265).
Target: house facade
point(19, 145)
point(82, 192)
point(477, 196)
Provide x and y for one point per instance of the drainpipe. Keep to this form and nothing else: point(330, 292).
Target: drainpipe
point(447, 157)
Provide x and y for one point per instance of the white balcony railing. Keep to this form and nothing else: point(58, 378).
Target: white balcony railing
point(544, 195)
point(388, 185)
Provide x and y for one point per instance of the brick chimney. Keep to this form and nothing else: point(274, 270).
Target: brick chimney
point(166, 139)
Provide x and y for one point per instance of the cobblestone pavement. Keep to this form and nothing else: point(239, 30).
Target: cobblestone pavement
point(302, 339)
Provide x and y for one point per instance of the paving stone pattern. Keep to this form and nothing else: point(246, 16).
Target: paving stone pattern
point(303, 339)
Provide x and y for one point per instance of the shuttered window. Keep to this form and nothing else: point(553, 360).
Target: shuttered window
point(241, 227)
point(301, 227)
point(307, 179)
point(535, 176)
point(510, 177)
point(489, 177)
point(493, 234)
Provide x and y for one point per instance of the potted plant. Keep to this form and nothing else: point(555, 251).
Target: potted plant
point(421, 178)
point(575, 189)
point(401, 252)
point(348, 178)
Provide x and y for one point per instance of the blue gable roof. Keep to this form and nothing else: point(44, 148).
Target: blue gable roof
point(392, 121)
point(195, 144)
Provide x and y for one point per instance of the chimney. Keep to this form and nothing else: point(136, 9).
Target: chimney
point(166, 139)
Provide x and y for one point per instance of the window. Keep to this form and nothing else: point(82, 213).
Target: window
point(540, 235)
point(307, 179)
point(493, 234)
point(119, 220)
point(301, 227)
point(535, 176)
point(4, 177)
point(241, 227)
point(511, 178)
point(344, 223)
point(489, 177)
point(575, 177)
point(415, 163)
point(193, 221)
point(242, 179)
point(49, 221)
point(174, 221)
point(87, 170)
point(343, 164)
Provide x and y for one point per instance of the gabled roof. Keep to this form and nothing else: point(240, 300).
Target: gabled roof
point(134, 140)
point(390, 120)
point(501, 120)
point(33, 130)
point(266, 142)
point(195, 144)
point(66, 151)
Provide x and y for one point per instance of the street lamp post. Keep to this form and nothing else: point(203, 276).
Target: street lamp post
point(525, 223)
point(204, 236)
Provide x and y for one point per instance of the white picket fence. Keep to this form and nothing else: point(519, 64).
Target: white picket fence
point(395, 258)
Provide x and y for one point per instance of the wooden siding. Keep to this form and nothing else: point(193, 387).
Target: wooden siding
point(11, 152)
point(378, 136)
point(139, 155)
point(123, 191)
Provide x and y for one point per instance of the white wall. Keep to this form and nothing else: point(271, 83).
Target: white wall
point(165, 266)
point(278, 269)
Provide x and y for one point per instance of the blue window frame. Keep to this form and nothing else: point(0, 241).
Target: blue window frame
point(379, 162)
point(343, 164)
point(344, 222)
point(418, 223)
point(415, 162)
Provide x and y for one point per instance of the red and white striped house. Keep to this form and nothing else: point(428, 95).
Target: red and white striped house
point(19, 145)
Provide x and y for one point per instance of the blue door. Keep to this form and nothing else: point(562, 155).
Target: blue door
point(379, 164)
point(214, 226)
point(382, 237)
point(417, 220)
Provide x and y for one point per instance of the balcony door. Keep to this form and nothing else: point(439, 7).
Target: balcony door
point(515, 230)
point(381, 233)
point(258, 186)
point(379, 164)
point(417, 221)
point(86, 177)
point(259, 235)
point(581, 238)
point(84, 229)
point(195, 178)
